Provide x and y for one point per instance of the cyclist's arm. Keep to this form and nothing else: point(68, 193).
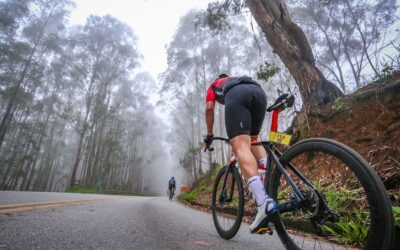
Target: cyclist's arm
point(210, 117)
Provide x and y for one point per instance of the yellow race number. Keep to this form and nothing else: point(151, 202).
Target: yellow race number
point(280, 138)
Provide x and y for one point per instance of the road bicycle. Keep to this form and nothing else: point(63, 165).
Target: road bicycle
point(170, 194)
point(325, 190)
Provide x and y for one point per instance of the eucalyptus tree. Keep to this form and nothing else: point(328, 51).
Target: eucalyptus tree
point(25, 50)
point(287, 40)
point(105, 50)
point(70, 95)
point(30, 37)
point(196, 56)
point(131, 132)
point(346, 35)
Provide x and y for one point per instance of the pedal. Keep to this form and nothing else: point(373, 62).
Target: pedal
point(264, 230)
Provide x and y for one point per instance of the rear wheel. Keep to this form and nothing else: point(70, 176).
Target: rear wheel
point(227, 202)
point(359, 212)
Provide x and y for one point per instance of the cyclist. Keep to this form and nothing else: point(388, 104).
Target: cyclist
point(171, 185)
point(245, 105)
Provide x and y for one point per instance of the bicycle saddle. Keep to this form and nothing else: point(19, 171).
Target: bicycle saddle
point(283, 101)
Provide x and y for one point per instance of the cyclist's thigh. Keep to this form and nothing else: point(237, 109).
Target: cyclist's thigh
point(237, 113)
point(258, 108)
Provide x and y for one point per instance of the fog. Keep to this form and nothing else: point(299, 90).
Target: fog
point(107, 99)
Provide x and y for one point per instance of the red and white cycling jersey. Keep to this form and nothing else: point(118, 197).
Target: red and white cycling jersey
point(215, 92)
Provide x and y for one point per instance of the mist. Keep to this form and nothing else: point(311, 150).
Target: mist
point(79, 109)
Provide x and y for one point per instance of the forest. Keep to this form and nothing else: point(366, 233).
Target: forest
point(75, 105)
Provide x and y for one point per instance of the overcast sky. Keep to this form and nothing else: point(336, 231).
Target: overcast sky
point(153, 22)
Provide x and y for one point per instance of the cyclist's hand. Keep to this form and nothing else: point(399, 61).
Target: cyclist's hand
point(207, 140)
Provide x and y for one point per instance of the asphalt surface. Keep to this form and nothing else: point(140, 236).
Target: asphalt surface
point(12, 197)
point(120, 222)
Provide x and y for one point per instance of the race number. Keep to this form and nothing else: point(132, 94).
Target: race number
point(280, 138)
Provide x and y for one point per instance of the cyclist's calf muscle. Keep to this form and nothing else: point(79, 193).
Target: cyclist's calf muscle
point(258, 151)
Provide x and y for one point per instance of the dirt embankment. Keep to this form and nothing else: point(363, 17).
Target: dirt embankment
point(369, 122)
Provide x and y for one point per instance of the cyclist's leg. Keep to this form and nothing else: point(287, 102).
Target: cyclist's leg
point(258, 151)
point(261, 156)
point(241, 121)
point(247, 161)
point(258, 109)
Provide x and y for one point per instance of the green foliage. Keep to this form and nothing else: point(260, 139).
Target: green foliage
point(267, 70)
point(354, 222)
point(353, 226)
point(217, 14)
point(342, 199)
point(81, 189)
point(396, 213)
point(338, 103)
point(386, 73)
point(353, 229)
point(203, 185)
point(189, 196)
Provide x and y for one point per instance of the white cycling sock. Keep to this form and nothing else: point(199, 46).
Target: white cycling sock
point(257, 189)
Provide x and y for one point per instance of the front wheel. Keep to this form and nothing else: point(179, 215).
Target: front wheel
point(346, 205)
point(227, 202)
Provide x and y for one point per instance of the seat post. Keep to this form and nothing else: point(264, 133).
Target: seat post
point(274, 122)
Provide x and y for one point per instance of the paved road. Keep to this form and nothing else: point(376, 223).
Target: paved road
point(115, 222)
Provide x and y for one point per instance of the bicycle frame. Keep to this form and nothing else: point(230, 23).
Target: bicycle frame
point(273, 156)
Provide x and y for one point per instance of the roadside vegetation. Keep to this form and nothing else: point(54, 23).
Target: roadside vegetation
point(86, 190)
point(351, 230)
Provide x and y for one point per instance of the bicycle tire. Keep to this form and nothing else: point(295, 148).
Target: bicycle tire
point(238, 214)
point(381, 230)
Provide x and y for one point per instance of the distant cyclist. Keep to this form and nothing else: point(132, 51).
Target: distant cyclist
point(171, 187)
point(245, 105)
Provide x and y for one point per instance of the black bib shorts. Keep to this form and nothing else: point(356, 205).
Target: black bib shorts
point(245, 107)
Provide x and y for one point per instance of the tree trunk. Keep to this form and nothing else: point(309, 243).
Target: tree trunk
point(289, 41)
point(55, 157)
point(77, 160)
point(8, 116)
point(85, 126)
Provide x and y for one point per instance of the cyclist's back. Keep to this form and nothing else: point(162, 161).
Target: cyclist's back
point(171, 184)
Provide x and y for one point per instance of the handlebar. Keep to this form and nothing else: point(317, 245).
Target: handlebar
point(209, 148)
